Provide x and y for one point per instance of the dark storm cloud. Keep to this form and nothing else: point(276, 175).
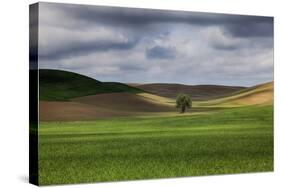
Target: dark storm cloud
point(84, 48)
point(158, 52)
point(262, 27)
point(137, 24)
point(137, 45)
point(236, 25)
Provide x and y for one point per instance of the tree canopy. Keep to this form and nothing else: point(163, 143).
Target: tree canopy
point(183, 102)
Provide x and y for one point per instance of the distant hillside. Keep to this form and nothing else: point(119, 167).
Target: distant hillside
point(197, 92)
point(57, 85)
point(258, 95)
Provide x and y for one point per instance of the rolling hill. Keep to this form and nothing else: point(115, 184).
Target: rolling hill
point(258, 95)
point(197, 92)
point(101, 106)
point(67, 96)
point(57, 85)
point(125, 102)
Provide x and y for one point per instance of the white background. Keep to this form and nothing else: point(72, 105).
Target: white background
point(14, 91)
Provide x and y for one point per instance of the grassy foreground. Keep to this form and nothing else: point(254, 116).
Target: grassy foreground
point(235, 140)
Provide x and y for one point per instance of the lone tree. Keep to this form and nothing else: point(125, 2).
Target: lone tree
point(183, 102)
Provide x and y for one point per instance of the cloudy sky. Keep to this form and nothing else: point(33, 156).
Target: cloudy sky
point(144, 46)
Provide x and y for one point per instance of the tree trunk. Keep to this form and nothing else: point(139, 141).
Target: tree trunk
point(183, 109)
